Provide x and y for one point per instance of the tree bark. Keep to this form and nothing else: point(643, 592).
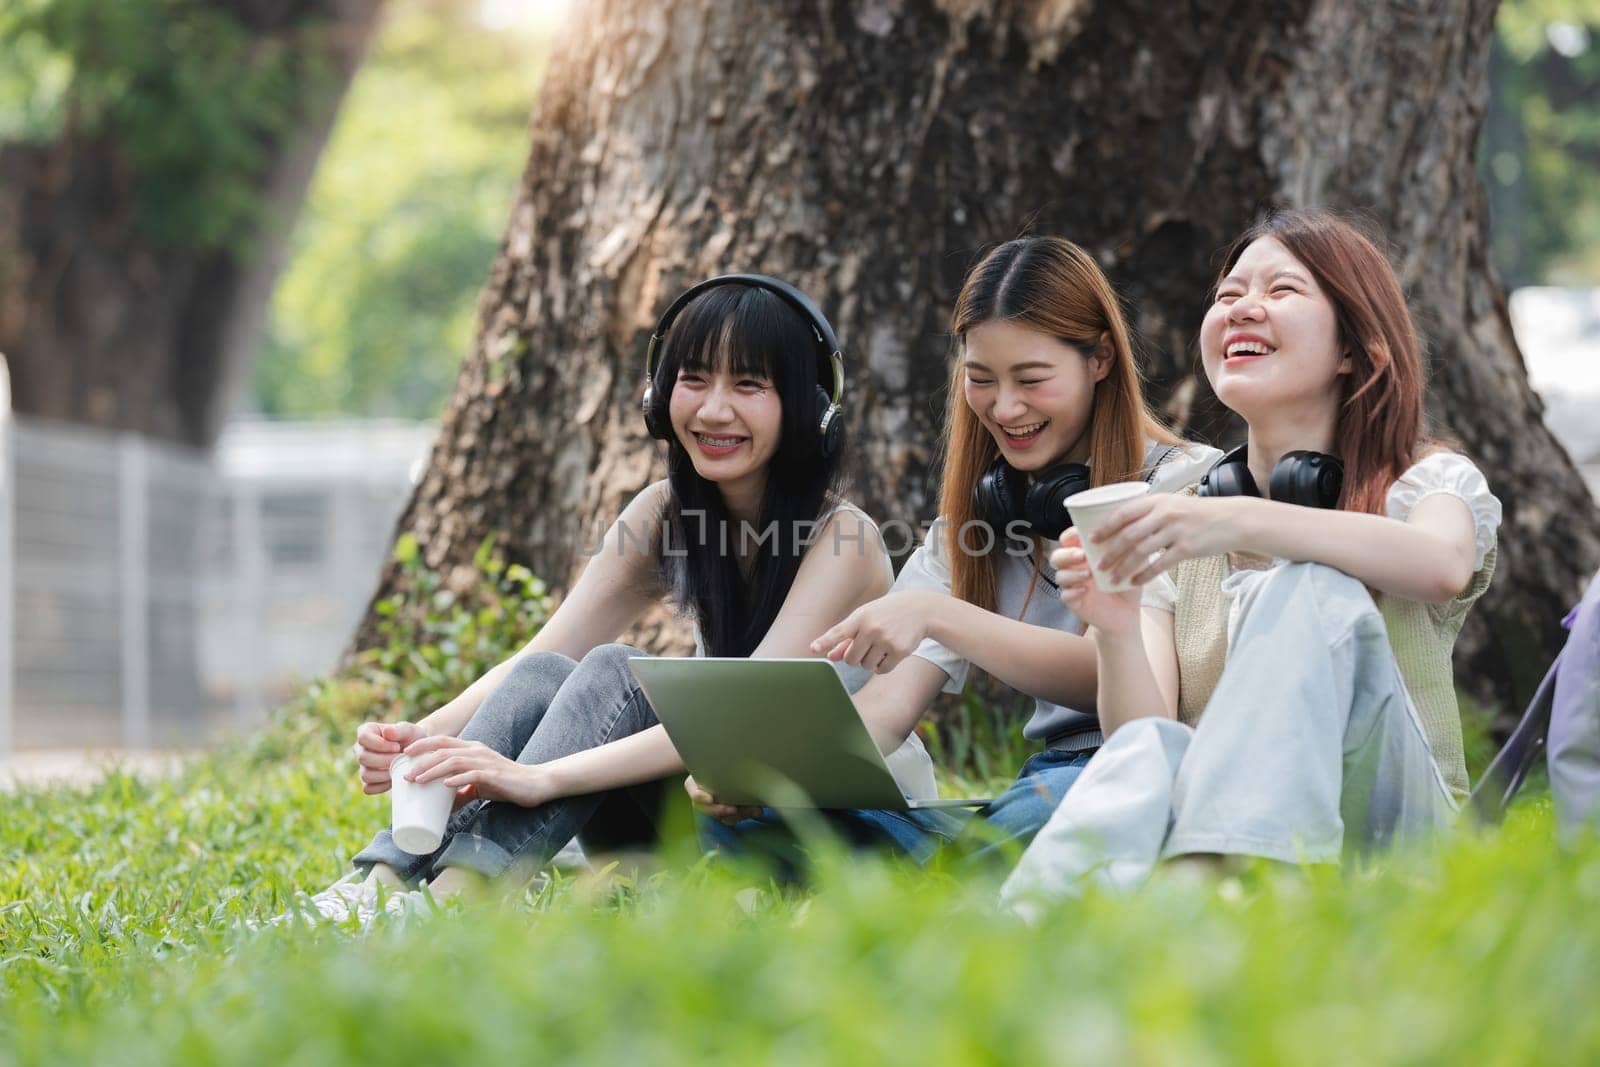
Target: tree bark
point(106, 325)
point(871, 149)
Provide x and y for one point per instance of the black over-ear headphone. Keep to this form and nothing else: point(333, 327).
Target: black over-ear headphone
point(829, 416)
point(1004, 495)
point(1310, 479)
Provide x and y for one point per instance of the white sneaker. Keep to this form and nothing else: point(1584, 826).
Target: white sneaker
point(353, 896)
point(356, 896)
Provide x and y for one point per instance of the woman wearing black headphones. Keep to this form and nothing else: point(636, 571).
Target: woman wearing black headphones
point(1044, 401)
point(1282, 688)
point(558, 740)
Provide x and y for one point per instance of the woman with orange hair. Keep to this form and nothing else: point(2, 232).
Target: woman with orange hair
point(1282, 686)
point(1045, 400)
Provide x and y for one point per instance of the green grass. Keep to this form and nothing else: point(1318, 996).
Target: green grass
point(118, 945)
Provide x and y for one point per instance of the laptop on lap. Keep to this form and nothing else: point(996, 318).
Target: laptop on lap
point(780, 732)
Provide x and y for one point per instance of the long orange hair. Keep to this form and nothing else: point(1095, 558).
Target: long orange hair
point(1380, 430)
point(1053, 286)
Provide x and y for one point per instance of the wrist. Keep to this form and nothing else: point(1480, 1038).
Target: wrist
point(1127, 637)
point(542, 782)
point(938, 614)
point(1239, 523)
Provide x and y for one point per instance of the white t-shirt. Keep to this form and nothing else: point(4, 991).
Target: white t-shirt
point(929, 568)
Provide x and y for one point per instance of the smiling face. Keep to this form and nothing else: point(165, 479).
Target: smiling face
point(1270, 341)
point(730, 423)
point(1034, 393)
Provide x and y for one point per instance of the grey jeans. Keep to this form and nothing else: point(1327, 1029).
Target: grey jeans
point(548, 706)
point(1309, 748)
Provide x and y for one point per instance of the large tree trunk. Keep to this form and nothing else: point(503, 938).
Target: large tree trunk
point(870, 149)
point(106, 324)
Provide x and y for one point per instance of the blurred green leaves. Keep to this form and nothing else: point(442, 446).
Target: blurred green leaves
point(443, 633)
point(190, 100)
point(1540, 154)
point(375, 311)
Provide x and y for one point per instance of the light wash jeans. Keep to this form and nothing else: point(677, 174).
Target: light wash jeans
point(1309, 748)
point(548, 706)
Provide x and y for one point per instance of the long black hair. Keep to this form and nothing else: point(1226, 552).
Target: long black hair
point(745, 330)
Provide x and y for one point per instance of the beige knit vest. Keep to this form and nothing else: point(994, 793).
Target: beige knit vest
point(1422, 637)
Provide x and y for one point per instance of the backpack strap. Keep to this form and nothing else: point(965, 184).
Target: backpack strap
point(1509, 769)
point(1150, 473)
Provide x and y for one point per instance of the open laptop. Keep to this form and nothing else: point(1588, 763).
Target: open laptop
point(780, 732)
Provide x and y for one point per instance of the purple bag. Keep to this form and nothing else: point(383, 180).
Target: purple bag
point(1566, 710)
point(1575, 717)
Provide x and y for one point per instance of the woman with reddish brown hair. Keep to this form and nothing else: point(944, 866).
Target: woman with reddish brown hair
point(1282, 686)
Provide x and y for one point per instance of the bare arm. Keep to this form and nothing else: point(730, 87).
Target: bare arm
point(615, 588)
point(1138, 671)
point(1429, 557)
point(1137, 656)
point(1038, 660)
point(892, 704)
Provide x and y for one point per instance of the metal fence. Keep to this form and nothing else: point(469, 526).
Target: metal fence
point(158, 595)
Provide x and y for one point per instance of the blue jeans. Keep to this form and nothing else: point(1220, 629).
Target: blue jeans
point(1000, 829)
point(772, 840)
point(1004, 828)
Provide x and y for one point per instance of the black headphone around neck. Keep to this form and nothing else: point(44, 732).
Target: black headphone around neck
point(1005, 495)
point(830, 416)
point(1310, 479)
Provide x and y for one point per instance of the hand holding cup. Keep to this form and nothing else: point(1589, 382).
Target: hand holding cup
point(421, 809)
point(377, 744)
point(1109, 613)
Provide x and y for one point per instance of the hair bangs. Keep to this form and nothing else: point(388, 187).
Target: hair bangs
point(736, 329)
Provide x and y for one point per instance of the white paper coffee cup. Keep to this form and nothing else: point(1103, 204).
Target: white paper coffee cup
point(1089, 509)
point(420, 809)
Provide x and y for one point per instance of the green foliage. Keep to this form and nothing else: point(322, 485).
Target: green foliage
point(121, 942)
point(1540, 156)
point(440, 636)
point(192, 100)
point(375, 311)
point(978, 746)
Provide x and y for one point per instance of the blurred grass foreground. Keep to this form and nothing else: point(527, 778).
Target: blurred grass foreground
point(119, 944)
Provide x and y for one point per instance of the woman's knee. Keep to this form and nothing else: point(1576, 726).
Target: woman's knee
point(537, 666)
point(1318, 587)
point(608, 663)
point(511, 710)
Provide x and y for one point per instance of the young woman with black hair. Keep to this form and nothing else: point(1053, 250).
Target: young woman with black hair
point(1044, 400)
point(558, 740)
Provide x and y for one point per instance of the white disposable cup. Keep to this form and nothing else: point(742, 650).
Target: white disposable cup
point(420, 809)
point(1089, 509)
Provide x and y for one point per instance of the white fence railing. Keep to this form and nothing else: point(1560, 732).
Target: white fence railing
point(155, 595)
